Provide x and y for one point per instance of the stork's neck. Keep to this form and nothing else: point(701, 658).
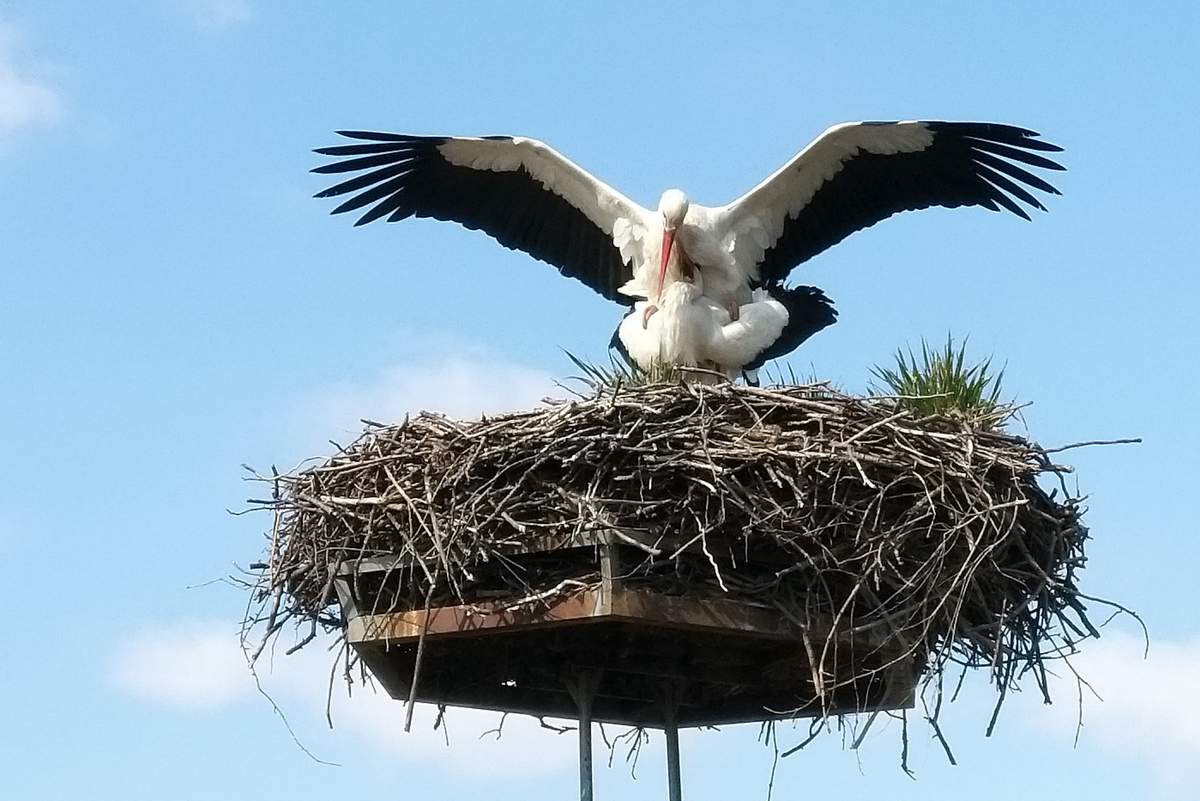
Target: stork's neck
point(676, 323)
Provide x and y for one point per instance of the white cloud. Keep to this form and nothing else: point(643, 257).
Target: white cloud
point(193, 664)
point(199, 665)
point(299, 684)
point(458, 386)
point(524, 748)
point(25, 99)
point(1150, 708)
point(210, 15)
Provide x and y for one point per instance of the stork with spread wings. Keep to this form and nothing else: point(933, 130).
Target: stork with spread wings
point(531, 198)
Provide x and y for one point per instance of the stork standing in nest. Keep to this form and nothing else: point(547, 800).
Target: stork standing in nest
point(529, 197)
point(685, 327)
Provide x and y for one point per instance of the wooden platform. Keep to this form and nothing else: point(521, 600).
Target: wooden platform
point(718, 660)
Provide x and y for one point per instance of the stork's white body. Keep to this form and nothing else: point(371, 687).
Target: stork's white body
point(692, 330)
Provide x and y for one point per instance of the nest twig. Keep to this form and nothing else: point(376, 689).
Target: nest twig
point(934, 531)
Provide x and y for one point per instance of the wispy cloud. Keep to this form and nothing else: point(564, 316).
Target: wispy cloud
point(190, 664)
point(26, 99)
point(467, 740)
point(1150, 707)
point(463, 386)
point(199, 665)
point(211, 15)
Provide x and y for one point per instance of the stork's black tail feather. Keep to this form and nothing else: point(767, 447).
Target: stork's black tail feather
point(616, 344)
point(808, 312)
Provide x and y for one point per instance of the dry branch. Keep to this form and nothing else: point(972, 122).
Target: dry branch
point(932, 532)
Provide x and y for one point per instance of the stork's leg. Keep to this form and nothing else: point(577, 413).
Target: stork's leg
point(735, 311)
point(647, 314)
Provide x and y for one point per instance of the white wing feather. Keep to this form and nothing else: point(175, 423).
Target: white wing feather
point(739, 342)
point(750, 225)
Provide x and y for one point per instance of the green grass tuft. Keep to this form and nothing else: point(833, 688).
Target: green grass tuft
point(941, 382)
point(619, 373)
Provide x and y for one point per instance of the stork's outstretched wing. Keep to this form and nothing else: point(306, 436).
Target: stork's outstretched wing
point(858, 173)
point(523, 193)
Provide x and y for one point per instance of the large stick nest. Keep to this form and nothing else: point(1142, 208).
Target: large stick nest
point(935, 531)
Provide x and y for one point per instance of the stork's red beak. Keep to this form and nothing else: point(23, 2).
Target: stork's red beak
point(668, 241)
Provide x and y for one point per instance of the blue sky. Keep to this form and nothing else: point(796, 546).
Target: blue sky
point(174, 304)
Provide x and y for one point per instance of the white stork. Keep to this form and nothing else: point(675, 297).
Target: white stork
point(529, 197)
point(692, 330)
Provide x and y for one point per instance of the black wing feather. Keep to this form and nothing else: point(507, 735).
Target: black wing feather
point(409, 177)
point(809, 310)
point(358, 150)
point(1016, 154)
point(1011, 187)
point(366, 179)
point(967, 164)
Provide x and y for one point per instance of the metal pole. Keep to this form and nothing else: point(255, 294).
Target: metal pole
point(583, 690)
point(671, 730)
point(585, 750)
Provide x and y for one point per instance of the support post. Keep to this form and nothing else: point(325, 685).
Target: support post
point(671, 730)
point(585, 750)
point(583, 690)
point(610, 572)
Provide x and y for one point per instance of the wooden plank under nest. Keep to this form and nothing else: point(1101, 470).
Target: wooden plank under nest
point(726, 660)
point(634, 606)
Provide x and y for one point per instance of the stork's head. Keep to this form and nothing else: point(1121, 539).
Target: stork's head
point(673, 205)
